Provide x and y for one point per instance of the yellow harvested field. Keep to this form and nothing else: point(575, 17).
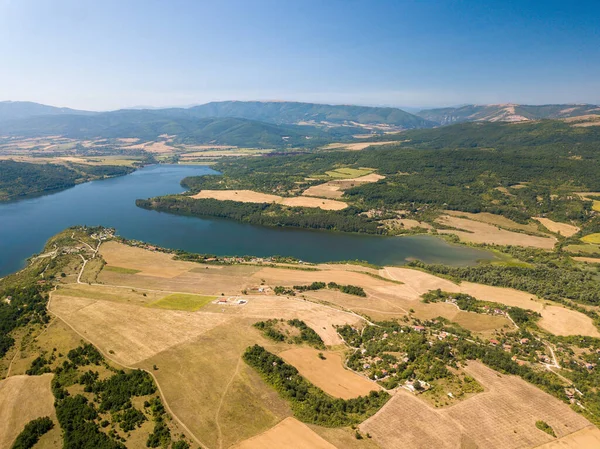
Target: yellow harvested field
point(320, 317)
point(335, 188)
point(358, 146)
point(497, 418)
point(418, 282)
point(288, 434)
point(249, 196)
point(371, 177)
point(151, 263)
point(493, 219)
point(329, 374)
point(244, 196)
point(565, 322)
point(23, 398)
point(479, 232)
point(586, 438)
point(300, 201)
point(587, 259)
point(555, 319)
point(152, 147)
point(209, 387)
point(563, 229)
point(325, 190)
point(128, 139)
point(128, 333)
point(201, 280)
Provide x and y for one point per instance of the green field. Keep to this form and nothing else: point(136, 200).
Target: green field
point(182, 301)
point(345, 173)
point(596, 205)
point(587, 249)
point(591, 238)
point(120, 269)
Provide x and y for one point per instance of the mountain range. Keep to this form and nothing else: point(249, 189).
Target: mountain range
point(257, 123)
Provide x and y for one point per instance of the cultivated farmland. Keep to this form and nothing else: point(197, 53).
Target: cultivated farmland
point(328, 373)
point(249, 196)
point(407, 421)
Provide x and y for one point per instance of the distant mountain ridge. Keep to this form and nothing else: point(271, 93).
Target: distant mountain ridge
point(149, 125)
point(506, 112)
point(287, 112)
point(276, 112)
point(11, 110)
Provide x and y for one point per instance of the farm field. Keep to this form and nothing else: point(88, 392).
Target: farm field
point(357, 146)
point(23, 398)
point(555, 319)
point(335, 189)
point(289, 433)
point(496, 220)
point(588, 437)
point(130, 333)
point(587, 259)
point(584, 248)
point(248, 196)
point(152, 263)
point(478, 232)
point(407, 421)
point(328, 374)
point(564, 229)
point(207, 385)
point(348, 173)
point(162, 315)
point(591, 238)
point(181, 301)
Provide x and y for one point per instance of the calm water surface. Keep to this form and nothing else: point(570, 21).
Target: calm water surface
point(26, 225)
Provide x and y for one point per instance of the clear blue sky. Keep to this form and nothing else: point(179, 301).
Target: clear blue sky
point(107, 54)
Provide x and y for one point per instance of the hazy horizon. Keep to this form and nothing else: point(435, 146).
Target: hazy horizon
point(412, 55)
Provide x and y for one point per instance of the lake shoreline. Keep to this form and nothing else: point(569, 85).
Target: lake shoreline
point(28, 224)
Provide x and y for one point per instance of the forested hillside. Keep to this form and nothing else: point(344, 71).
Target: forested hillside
point(294, 112)
point(463, 167)
point(20, 179)
point(149, 125)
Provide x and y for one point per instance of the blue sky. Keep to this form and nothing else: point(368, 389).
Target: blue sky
point(110, 54)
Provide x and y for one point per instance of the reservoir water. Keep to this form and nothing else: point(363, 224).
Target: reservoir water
point(25, 226)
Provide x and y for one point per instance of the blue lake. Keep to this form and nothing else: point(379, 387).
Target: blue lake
point(25, 226)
